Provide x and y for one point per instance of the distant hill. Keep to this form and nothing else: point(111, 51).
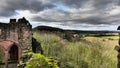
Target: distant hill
point(71, 35)
point(55, 29)
point(47, 28)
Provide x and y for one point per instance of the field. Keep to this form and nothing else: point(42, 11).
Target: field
point(89, 52)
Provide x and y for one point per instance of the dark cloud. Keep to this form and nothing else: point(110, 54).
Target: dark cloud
point(8, 7)
point(73, 3)
point(37, 18)
point(53, 15)
point(103, 4)
point(97, 9)
point(91, 20)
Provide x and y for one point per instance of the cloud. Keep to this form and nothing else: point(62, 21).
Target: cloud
point(65, 12)
point(90, 11)
point(9, 7)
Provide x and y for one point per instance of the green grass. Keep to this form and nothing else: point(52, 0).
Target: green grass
point(82, 54)
point(107, 40)
point(2, 57)
point(105, 37)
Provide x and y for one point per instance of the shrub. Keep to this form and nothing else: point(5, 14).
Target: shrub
point(40, 61)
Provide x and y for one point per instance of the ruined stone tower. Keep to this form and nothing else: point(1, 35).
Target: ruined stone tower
point(15, 37)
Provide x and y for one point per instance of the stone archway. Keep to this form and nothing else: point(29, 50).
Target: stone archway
point(12, 50)
point(13, 53)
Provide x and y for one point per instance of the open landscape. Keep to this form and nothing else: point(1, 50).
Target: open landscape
point(59, 33)
point(58, 48)
point(90, 51)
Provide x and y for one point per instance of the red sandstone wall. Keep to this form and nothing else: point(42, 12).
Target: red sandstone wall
point(20, 32)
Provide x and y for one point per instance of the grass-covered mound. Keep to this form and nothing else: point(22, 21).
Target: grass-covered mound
point(82, 54)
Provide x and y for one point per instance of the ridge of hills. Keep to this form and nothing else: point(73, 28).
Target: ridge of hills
point(55, 29)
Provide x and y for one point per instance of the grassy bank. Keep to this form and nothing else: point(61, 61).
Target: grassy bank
point(81, 54)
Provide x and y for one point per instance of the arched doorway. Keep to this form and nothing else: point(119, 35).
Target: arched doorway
point(13, 53)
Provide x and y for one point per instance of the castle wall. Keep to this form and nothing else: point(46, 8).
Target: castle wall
point(19, 32)
point(15, 38)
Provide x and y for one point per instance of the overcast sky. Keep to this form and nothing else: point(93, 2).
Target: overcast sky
point(66, 14)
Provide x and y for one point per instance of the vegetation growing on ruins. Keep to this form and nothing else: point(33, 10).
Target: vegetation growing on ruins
point(40, 61)
point(36, 60)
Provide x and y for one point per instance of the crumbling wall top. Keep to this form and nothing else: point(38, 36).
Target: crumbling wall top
point(12, 21)
point(23, 20)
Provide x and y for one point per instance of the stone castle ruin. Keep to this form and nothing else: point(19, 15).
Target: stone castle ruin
point(15, 38)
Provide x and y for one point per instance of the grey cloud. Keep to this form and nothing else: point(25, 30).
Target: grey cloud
point(79, 3)
point(53, 15)
point(65, 18)
point(8, 7)
point(73, 3)
point(86, 11)
point(102, 4)
point(37, 18)
point(98, 14)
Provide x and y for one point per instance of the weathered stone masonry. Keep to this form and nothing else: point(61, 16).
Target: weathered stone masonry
point(15, 38)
